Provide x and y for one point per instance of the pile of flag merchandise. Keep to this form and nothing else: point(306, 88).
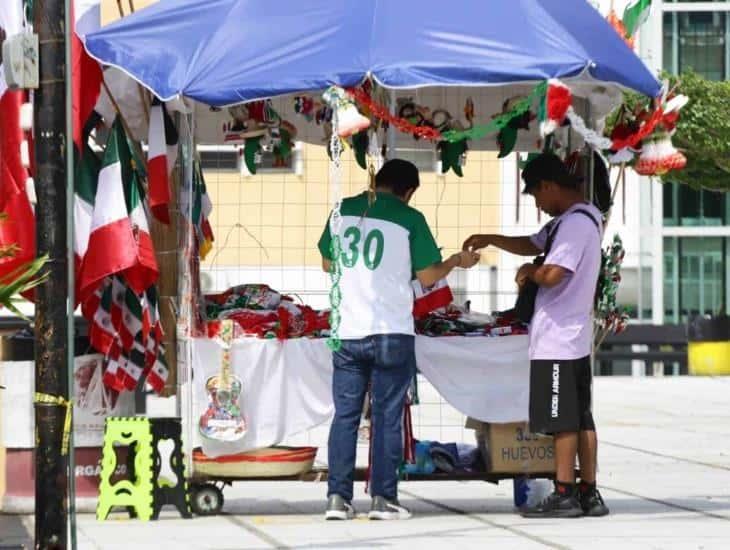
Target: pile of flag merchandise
point(116, 266)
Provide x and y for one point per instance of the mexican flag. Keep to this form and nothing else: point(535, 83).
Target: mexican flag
point(17, 228)
point(86, 73)
point(102, 334)
point(87, 176)
point(152, 325)
point(202, 208)
point(112, 246)
point(159, 372)
point(143, 272)
point(635, 14)
point(135, 364)
point(162, 143)
point(132, 319)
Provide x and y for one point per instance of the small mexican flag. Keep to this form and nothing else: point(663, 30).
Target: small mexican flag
point(102, 334)
point(111, 247)
point(161, 158)
point(202, 207)
point(143, 272)
point(87, 175)
point(635, 14)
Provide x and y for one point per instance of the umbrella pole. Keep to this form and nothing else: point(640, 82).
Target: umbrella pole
point(52, 401)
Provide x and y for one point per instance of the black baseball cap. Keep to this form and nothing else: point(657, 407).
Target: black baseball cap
point(548, 167)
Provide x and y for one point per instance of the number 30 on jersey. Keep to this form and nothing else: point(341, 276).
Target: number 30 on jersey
point(355, 247)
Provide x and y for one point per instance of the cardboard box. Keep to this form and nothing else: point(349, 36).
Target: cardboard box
point(512, 449)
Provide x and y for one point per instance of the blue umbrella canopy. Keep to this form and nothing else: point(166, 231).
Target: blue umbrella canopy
point(222, 52)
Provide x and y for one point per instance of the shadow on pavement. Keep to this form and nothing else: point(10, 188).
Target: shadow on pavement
point(13, 533)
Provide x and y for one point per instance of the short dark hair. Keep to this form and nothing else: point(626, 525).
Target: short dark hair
point(398, 175)
point(548, 167)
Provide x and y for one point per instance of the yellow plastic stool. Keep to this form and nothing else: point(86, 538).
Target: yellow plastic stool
point(136, 493)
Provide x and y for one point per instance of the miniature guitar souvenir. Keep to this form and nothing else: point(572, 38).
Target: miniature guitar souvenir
point(222, 420)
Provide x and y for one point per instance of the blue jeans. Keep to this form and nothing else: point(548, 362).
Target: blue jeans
point(390, 361)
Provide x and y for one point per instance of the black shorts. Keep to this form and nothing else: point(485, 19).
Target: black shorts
point(560, 396)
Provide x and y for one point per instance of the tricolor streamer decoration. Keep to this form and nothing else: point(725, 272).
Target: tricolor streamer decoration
point(333, 96)
point(383, 113)
point(500, 121)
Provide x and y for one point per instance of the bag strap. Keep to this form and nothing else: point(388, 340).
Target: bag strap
point(553, 231)
point(550, 238)
point(589, 216)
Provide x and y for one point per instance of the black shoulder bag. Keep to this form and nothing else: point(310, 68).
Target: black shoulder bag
point(525, 305)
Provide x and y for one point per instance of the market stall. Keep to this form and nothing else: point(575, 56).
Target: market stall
point(548, 73)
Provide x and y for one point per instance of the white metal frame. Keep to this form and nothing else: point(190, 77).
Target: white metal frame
point(692, 6)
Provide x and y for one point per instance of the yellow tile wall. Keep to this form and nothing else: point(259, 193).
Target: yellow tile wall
point(275, 219)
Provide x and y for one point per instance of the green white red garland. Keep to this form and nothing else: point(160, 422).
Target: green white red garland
point(336, 101)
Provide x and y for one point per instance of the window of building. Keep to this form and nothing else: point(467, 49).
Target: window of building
point(224, 158)
point(695, 276)
point(698, 41)
point(684, 206)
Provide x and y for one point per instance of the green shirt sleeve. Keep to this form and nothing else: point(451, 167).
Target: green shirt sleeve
point(424, 250)
point(325, 242)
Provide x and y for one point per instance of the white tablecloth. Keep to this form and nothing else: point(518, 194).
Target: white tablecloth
point(287, 385)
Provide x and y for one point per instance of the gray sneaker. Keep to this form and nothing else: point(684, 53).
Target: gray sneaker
point(338, 508)
point(384, 509)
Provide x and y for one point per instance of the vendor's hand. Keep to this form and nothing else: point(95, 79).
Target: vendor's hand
point(467, 259)
point(476, 242)
point(524, 274)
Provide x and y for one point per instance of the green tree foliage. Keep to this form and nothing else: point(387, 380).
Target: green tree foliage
point(703, 133)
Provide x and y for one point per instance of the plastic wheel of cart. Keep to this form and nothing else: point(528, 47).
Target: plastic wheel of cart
point(207, 500)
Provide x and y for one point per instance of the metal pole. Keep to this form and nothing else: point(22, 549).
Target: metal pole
point(51, 327)
point(70, 274)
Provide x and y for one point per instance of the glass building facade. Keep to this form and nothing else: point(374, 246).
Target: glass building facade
point(696, 264)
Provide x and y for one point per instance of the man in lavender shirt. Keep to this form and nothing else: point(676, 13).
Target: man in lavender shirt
point(561, 330)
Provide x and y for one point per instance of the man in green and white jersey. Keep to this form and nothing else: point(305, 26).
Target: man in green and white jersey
point(383, 246)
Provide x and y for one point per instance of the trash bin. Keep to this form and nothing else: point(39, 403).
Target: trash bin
point(708, 345)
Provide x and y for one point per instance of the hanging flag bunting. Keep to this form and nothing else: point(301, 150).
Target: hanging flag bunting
point(159, 372)
point(132, 319)
point(618, 25)
point(112, 379)
point(635, 14)
point(102, 334)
